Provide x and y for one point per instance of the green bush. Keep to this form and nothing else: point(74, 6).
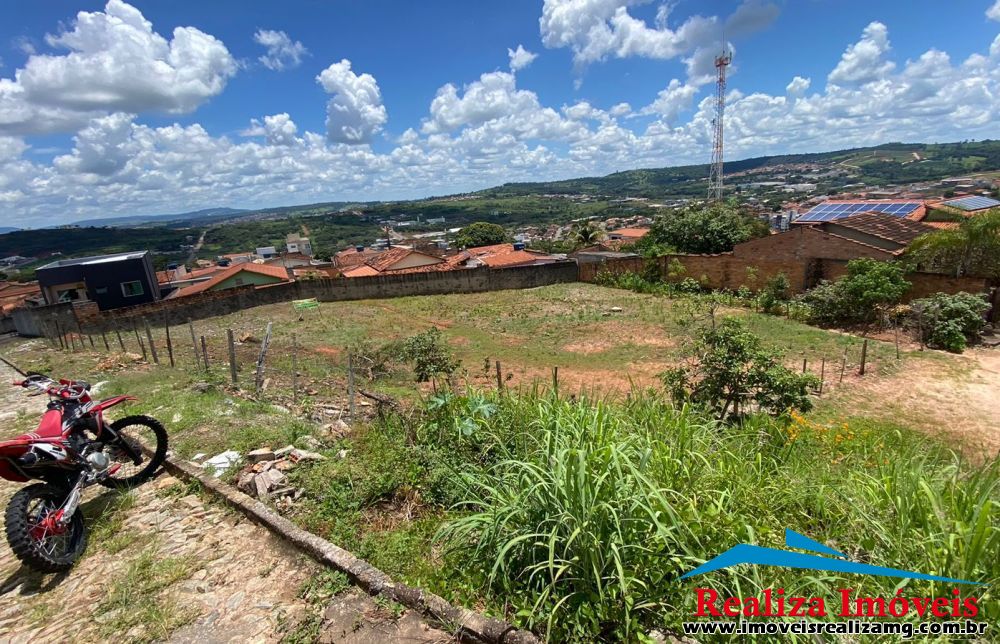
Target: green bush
point(869, 288)
point(702, 228)
point(733, 374)
point(480, 233)
point(949, 321)
point(775, 292)
point(429, 354)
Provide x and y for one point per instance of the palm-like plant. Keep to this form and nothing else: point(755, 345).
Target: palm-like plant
point(587, 234)
point(972, 248)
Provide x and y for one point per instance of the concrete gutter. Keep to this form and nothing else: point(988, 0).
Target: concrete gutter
point(467, 624)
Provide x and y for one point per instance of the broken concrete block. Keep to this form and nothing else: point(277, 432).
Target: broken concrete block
point(299, 455)
point(258, 455)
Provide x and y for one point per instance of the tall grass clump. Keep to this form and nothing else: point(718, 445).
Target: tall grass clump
point(582, 515)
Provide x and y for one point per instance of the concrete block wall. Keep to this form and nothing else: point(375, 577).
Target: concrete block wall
point(214, 303)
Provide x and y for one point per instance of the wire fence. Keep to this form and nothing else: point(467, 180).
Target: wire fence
point(267, 360)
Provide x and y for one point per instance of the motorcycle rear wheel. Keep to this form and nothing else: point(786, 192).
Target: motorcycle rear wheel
point(37, 546)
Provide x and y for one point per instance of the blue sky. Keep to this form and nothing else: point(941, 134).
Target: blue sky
point(106, 109)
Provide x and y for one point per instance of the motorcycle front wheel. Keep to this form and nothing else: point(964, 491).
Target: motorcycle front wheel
point(145, 436)
point(35, 535)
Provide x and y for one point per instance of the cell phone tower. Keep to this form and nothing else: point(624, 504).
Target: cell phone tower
point(715, 171)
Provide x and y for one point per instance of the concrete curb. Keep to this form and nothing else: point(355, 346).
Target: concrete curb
point(471, 626)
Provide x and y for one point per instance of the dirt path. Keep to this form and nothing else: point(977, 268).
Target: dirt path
point(957, 397)
point(165, 564)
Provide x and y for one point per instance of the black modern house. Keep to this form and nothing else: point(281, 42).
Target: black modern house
point(110, 281)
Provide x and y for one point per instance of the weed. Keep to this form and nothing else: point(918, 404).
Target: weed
point(136, 599)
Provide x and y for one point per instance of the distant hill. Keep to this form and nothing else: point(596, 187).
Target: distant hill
point(7, 229)
point(888, 164)
point(132, 221)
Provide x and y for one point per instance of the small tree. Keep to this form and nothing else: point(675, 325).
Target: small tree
point(480, 233)
point(731, 373)
point(705, 228)
point(586, 234)
point(972, 248)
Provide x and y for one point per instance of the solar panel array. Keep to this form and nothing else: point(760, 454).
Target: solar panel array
point(831, 211)
point(973, 203)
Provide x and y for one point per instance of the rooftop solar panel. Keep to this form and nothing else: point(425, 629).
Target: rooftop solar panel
point(832, 211)
point(972, 203)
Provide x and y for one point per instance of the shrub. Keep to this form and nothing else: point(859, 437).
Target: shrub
point(950, 321)
point(869, 287)
point(429, 354)
point(732, 374)
point(776, 290)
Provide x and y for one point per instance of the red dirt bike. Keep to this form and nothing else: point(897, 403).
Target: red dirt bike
point(72, 449)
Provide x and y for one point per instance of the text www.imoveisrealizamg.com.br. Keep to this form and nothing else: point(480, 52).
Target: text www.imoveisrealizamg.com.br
point(906, 630)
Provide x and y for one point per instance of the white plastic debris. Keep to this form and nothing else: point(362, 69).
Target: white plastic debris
point(221, 462)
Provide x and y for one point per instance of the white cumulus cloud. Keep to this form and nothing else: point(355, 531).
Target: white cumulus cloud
point(520, 58)
point(277, 129)
point(355, 113)
point(116, 63)
point(597, 29)
point(282, 52)
point(993, 13)
point(864, 61)
point(798, 86)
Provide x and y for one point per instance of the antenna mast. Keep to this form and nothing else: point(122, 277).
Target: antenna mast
point(715, 172)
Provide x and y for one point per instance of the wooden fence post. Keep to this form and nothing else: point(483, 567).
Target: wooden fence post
point(895, 328)
point(194, 344)
point(138, 340)
point(104, 336)
point(350, 386)
point(232, 355)
point(803, 365)
point(170, 345)
point(499, 377)
point(822, 374)
point(555, 379)
point(864, 356)
point(259, 376)
point(843, 365)
point(152, 345)
point(121, 343)
point(295, 370)
point(59, 335)
point(204, 352)
point(72, 340)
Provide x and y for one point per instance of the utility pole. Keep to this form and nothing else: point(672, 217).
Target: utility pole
point(715, 171)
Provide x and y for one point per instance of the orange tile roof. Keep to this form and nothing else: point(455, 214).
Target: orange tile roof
point(361, 271)
point(630, 232)
point(262, 269)
point(386, 260)
point(513, 258)
point(351, 257)
point(895, 229)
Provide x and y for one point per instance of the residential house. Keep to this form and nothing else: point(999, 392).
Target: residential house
point(502, 256)
point(396, 260)
point(295, 243)
point(868, 234)
point(110, 281)
point(627, 235)
point(238, 275)
point(354, 256)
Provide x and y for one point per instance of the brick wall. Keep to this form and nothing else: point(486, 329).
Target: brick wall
point(712, 271)
point(922, 284)
point(729, 271)
point(213, 303)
